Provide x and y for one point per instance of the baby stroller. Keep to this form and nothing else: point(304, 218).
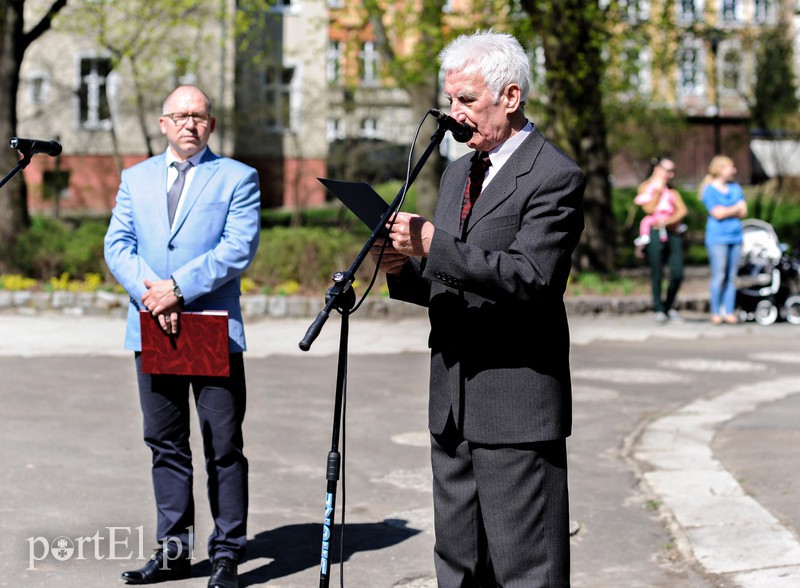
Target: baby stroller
point(768, 282)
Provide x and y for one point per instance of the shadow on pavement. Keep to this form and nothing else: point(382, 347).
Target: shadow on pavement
point(295, 548)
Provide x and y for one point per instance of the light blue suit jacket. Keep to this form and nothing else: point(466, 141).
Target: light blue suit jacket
point(214, 239)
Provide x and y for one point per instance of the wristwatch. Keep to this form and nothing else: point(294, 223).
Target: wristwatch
point(176, 290)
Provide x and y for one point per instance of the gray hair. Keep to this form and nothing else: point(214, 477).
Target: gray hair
point(498, 57)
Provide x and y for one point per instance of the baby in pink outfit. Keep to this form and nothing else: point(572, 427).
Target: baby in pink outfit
point(663, 210)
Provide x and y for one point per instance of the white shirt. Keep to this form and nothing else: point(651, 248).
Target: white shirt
point(500, 154)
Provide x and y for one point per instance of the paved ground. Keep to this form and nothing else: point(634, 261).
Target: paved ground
point(683, 462)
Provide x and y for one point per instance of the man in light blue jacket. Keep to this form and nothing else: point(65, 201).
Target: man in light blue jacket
point(185, 249)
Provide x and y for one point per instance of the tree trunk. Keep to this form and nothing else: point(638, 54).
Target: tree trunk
point(13, 207)
point(423, 98)
point(14, 41)
point(572, 45)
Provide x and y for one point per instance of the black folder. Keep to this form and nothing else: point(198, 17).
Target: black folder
point(360, 198)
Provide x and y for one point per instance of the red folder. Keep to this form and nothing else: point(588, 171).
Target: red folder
point(199, 348)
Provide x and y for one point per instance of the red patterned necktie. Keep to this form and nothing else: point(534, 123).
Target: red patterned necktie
point(480, 163)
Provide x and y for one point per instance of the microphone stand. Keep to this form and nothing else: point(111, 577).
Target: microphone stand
point(342, 297)
point(23, 163)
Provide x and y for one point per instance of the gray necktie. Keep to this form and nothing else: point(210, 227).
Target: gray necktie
point(177, 187)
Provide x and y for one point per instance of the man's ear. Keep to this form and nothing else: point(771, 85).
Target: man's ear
point(513, 97)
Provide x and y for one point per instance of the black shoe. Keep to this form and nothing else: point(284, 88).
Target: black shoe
point(157, 570)
point(223, 574)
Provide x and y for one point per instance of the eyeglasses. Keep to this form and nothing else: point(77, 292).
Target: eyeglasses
point(181, 118)
point(669, 170)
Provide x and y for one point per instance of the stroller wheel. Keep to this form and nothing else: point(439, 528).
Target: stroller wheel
point(766, 313)
point(791, 309)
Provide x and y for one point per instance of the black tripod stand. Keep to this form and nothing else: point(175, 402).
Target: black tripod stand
point(342, 298)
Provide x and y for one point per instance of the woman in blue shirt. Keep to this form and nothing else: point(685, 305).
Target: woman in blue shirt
point(724, 200)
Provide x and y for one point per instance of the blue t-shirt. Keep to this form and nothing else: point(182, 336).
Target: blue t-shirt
point(728, 230)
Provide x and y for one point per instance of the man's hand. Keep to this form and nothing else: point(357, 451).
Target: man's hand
point(391, 261)
point(411, 234)
point(162, 303)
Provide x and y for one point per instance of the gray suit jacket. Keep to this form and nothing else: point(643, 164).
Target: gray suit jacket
point(499, 336)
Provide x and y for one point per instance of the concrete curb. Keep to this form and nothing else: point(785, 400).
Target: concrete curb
point(256, 306)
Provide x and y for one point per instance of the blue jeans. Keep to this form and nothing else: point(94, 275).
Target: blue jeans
point(724, 260)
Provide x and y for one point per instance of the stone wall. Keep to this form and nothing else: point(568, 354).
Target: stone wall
point(259, 306)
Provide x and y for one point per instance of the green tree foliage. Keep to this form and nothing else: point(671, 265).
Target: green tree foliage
point(774, 109)
point(775, 103)
point(168, 50)
point(409, 36)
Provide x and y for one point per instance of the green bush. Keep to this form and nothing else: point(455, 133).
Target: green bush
point(83, 254)
point(306, 255)
point(52, 247)
point(303, 259)
point(39, 252)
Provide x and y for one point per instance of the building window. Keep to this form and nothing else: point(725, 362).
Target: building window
point(369, 128)
point(94, 112)
point(730, 67)
point(279, 112)
point(690, 72)
point(636, 67)
point(334, 65)
point(368, 61)
point(730, 10)
point(690, 10)
point(538, 69)
point(335, 129)
point(286, 6)
point(38, 89)
point(635, 10)
point(764, 11)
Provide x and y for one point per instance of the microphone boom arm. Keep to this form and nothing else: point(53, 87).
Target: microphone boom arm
point(344, 280)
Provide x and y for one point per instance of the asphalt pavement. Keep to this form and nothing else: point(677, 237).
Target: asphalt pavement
point(683, 458)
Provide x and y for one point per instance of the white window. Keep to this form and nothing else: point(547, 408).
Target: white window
point(691, 79)
point(94, 110)
point(731, 10)
point(38, 89)
point(369, 128)
point(635, 10)
point(538, 69)
point(765, 11)
point(334, 61)
point(334, 129)
point(280, 98)
point(368, 60)
point(637, 67)
point(286, 6)
point(729, 68)
point(690, 10)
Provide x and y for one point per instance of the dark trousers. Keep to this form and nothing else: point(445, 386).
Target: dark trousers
point(220, 405)
point(501, 513)
point(671, 254)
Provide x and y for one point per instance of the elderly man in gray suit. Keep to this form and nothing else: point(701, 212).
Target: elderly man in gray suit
point(492, 268)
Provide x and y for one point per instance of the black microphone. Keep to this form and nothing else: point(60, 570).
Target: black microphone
point(34, 146)
point(462, 132)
